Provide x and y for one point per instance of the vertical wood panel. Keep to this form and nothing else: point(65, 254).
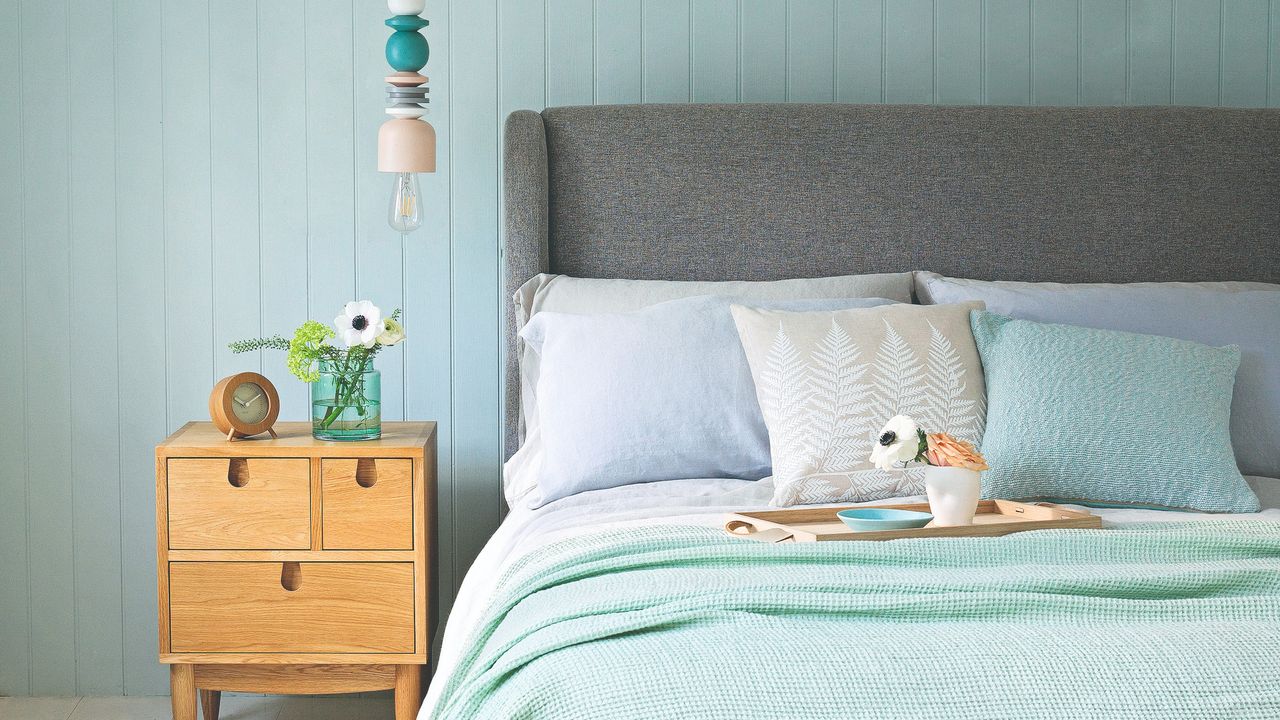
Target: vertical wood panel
point(762, 50)
point(45, 101)
point(1273, 62)
point(1244, 53)
point(330, 177)
point(282, 112)
point(379, 249)
point(1150, 52)
point(716, 73)
point(187, 209)
point(570, 52)
point(908, 52)
point(95, 404)
point(811, 50)
point(428, 313)
point(1008, 46)
point(15, 647)
point(958, 46)
point(1196, 52)
point(50, 524)
point(140, 284)
point(860, 51)
point(233, 145)
point(521, 54)
point(668, 45)
point(474, 240)
point(1103, 53)
point(618, 56)
point(1055, 44)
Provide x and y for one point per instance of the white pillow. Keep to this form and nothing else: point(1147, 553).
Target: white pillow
point(565, 294)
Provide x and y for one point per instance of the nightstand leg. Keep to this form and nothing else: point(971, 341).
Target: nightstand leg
point(408, 691)
point(209, 702)
point(182, 691)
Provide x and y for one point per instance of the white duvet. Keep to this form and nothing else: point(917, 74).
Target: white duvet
point(689, 502)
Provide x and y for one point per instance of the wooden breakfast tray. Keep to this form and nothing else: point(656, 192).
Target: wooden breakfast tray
point(995, 517)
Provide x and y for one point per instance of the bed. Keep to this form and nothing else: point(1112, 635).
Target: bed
point(630, 602)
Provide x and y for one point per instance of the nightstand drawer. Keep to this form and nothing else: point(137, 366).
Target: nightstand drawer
point(367, 504)
point(239, 503)
point(309, 607)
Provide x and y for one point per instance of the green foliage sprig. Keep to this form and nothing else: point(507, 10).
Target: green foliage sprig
point(275, 342)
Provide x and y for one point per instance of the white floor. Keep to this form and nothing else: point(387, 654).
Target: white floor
point(233, 708)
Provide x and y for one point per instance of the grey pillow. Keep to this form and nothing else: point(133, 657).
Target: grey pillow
point(1215, 313)
point(659, 393)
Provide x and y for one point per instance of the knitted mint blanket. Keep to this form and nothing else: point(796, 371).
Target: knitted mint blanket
point(1146, 621)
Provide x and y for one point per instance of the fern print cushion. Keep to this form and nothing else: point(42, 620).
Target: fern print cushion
point(828, 380)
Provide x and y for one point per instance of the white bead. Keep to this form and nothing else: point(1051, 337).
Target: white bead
point(406, 7)
point(406, 111)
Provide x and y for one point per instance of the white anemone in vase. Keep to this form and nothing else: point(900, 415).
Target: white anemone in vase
point(898, 442)
point(359, 324)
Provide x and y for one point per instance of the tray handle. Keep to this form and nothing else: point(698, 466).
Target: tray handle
point(744, 529)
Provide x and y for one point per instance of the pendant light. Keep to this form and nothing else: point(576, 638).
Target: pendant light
point(406, 142)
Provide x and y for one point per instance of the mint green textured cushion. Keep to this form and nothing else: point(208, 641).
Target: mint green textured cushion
point(1098, 416)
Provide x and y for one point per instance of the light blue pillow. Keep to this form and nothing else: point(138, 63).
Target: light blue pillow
point(660, 393)
point(1246, 314)
point(1110, 418)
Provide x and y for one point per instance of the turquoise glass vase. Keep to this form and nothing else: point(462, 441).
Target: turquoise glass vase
point(346, 402)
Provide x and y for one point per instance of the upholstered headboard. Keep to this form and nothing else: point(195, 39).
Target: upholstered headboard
point(760, 192)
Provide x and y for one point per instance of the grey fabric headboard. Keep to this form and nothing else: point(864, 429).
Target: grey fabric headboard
point(760, 192)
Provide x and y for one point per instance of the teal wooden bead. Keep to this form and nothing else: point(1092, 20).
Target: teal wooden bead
point(407, 51)
point(407, 22)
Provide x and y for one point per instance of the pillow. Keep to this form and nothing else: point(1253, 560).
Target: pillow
point(561, 293)
point(828, 381)
point(655, 394)
point(1213, 313)
point(1104, 417)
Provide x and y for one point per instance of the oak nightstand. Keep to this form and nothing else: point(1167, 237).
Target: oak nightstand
point(295, 565)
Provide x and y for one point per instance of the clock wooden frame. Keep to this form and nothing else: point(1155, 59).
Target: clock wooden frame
point(224, 417)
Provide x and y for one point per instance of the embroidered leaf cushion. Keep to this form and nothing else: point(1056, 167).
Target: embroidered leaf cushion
point(827, 381)
point(1107, 417)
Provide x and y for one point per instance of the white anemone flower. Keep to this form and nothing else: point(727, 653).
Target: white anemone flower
point(359, 324)
point(898, 442)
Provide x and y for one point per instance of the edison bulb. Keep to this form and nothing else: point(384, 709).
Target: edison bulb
point(406, 204)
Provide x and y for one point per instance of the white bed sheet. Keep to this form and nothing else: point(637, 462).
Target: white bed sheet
point(682, 502)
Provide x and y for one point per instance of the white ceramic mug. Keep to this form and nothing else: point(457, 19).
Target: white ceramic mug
point(953, 494)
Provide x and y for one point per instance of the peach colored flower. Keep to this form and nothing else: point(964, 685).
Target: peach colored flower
point(946, 451)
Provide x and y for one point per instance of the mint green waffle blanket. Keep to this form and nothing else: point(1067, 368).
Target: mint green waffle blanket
point(1147, 621)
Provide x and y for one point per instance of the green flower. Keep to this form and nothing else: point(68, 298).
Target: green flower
point(309, 344)
point(392, 332)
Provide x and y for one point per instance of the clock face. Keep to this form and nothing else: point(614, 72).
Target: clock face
point(249, 403)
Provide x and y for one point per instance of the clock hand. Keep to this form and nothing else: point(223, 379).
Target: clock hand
point(255, 397)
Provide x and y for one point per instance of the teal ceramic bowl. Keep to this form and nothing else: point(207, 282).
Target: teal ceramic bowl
point(872, 518)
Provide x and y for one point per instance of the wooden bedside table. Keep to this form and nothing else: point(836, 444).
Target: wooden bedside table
point(296, 565)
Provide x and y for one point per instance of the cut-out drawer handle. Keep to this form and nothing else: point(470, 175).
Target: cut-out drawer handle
point(238, 472)
point(366, 472)
point(290, 576)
